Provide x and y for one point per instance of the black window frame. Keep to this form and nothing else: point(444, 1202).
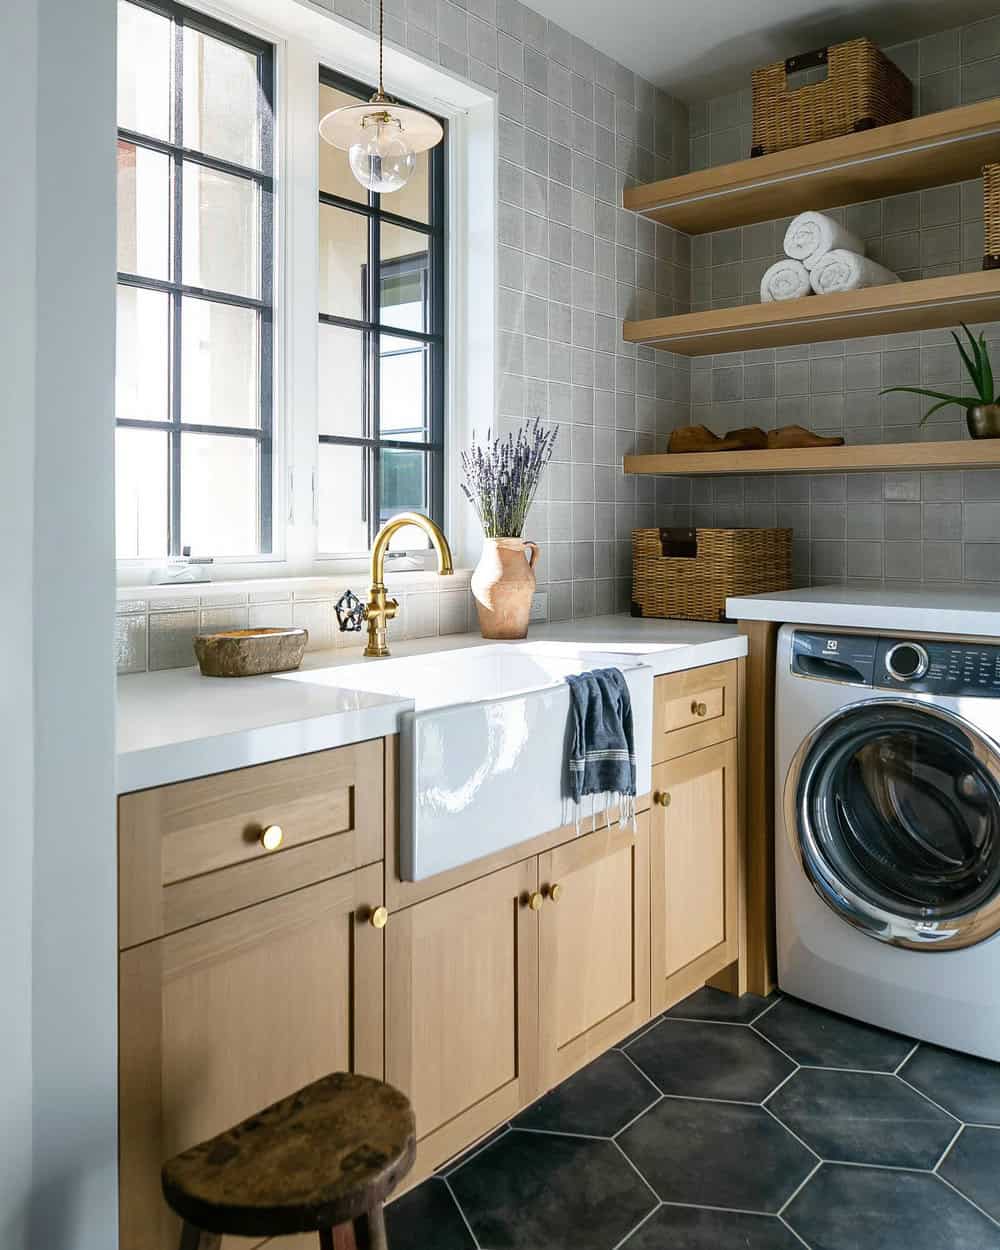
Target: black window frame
point(177, 290)
point(372, 329)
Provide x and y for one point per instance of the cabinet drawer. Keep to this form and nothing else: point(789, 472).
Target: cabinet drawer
point(194, 850)
point(693, 709)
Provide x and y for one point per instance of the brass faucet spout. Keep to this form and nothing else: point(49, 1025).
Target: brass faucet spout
point(381, 609)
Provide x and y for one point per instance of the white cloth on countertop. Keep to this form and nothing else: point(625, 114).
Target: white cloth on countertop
point(785, 279)
point(810, 236)
point(841, 270)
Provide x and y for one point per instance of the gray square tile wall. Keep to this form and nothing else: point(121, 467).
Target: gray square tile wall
point(932, 527)
point(575, 127)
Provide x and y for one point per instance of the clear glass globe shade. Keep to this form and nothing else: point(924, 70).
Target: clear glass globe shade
point(383, 161)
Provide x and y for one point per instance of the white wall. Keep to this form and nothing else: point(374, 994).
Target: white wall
point(73, 929)
point(18, 38)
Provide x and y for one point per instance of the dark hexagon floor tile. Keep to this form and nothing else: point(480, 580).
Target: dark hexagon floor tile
point(716, 1154)
point(711, 1004)
point(694, 1228)
point(814, 1036)
point(973, 1166)
point(964, 1085)
point(427, 1216)
point(598, 1100)
point(878, 1209)
point(701, 1060)
point(541, 1189)
point(856, 1117)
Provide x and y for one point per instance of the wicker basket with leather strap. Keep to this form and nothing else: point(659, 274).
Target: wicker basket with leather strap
point(991, 216)
point(862, 89)
point(689, 573)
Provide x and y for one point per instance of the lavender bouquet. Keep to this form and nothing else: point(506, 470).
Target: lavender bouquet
point(502, 475)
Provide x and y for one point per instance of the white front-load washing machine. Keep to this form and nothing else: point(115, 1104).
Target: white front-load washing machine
point(887, 831)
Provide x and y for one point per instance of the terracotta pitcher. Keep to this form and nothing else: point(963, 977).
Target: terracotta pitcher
point(503, 584)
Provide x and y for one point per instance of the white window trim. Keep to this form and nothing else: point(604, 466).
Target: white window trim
point(304, 38)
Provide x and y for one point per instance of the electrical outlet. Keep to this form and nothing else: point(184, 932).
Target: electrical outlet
point(539, 606)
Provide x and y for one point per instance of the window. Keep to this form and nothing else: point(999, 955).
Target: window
point(193, 387)
point(381, 344)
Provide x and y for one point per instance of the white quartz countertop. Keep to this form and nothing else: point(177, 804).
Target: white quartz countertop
point(923, 609)
point(176, 724)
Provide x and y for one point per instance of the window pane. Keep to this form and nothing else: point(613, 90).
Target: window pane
point(141, 480)
point(413, 200)
point(144, 70)
point(403, 389)
point(343, 258)
point(219, 495)
point(403, 481)
point(342, 512)
point(220, 364)
point(341, 381)
point(142, 373)
point(335, 175)
point(221, 239)
point(143, 211)
point(220, 99)
point(404, 278)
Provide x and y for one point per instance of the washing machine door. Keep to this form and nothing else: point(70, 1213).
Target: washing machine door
point(893, 808)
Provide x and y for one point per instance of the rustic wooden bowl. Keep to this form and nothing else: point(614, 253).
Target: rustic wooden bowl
point(250, 652)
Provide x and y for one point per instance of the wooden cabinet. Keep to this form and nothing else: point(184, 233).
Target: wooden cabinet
point(693, 709)
point(194, 850)
point(461, 1008)
point(225, 1017)
point(593, 953)
point(694, 871)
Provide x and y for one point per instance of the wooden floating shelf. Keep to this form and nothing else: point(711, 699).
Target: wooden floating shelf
point(928, 304)
point(924, 152)
point(858, 458)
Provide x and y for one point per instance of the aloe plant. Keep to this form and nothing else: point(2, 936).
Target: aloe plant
point(977, 366)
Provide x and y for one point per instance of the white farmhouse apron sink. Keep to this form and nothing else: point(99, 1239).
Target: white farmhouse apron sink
point(483, 752)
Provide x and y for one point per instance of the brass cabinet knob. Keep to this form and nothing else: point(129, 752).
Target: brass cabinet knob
point(662, 798)
point(271, 837)
point(534, 900)
point(379, 917)
point(699, 709)
point(555, 892)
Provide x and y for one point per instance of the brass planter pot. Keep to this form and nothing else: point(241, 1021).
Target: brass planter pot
point(984, 421)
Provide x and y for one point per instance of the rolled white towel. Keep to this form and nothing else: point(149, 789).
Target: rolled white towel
point(812, 235)
point(841, 270)
point(786, 279)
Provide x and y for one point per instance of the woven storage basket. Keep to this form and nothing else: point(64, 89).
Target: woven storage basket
point(991, 216)
point(689, 573)
point(862, 89)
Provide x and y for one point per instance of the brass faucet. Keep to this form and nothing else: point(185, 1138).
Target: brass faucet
point(380, 609)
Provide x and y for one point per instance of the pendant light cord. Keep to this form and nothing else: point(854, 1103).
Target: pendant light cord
point(381, 19)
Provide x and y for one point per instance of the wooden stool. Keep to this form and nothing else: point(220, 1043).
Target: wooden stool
point(321, 1160)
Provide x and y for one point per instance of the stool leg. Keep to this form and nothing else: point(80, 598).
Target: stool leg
point(339, 1238)
point(196, 1239)
point(369, 1230)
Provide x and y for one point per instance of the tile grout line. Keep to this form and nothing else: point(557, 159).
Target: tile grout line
point(645, 1074)
point(781, 1084)
point(632, 1231)
point(966, 1198)
point(798, 1237)
point(795, 1193)
point(947, 1150)
point(927, 1098)
point(764, 1038)
point(655, 1103)
point(461, 1212)
point(474, 1150)
point(792, 1133)
point(769, 1007)
point(635, 1169)
point(906, 1059)
point(558, 1132)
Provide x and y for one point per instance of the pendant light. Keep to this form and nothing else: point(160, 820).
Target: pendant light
point(381, 138)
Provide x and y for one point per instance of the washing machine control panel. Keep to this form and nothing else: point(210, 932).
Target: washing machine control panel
point(949, 668)
point(921, 666)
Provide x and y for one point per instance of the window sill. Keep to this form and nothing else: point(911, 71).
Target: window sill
point(237, 591)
